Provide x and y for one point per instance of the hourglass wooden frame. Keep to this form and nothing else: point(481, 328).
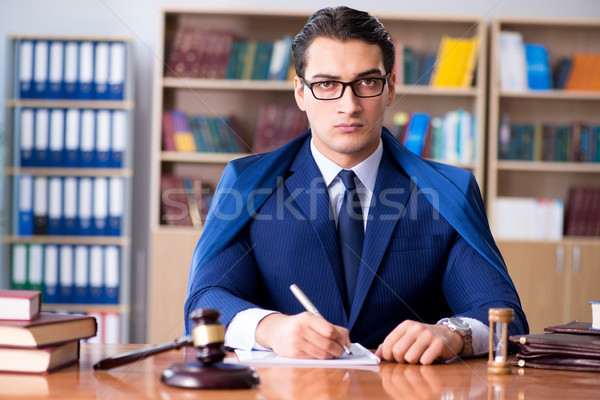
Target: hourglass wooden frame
point(498, 363)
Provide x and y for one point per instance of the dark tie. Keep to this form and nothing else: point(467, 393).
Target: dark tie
point(350, 233)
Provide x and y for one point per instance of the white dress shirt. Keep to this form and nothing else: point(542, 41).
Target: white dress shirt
point(240, 333)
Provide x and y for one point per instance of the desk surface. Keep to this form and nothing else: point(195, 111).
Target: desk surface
point(459, 380)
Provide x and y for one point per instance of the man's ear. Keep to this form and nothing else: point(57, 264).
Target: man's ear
point(299, 92)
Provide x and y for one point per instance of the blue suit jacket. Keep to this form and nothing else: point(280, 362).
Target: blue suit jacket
point(415, 264)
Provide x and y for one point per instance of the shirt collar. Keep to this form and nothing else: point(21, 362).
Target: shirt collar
point(366, 170)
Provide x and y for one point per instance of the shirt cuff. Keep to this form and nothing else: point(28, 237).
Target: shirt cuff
point(240, 333)
point(481, 337)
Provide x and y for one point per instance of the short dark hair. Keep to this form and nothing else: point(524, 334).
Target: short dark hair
point(343, 23)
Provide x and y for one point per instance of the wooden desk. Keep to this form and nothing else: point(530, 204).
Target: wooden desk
point(459, 380)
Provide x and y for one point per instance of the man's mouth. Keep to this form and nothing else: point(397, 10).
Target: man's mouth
point(349, 128)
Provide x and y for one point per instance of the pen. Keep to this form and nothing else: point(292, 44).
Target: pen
point(310, 307)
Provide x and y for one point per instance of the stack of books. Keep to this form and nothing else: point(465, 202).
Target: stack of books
point(38, 342)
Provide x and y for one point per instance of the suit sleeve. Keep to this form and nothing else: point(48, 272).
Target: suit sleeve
point(226, 282)
point(472, 285)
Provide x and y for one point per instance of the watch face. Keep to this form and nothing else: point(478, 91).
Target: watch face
point(459, 323)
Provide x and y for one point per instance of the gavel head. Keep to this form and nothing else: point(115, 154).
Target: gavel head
point(208, 335)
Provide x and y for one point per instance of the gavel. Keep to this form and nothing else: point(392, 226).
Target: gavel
point(208, 337)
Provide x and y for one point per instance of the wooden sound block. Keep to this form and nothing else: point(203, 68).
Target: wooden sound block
point(196, 375)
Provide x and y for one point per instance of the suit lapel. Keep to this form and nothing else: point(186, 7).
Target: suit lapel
point(311, 199)
point(388, 205)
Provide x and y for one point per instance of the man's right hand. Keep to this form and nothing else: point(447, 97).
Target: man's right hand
point(302, 335)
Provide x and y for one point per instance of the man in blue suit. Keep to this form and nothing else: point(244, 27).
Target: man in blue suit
point(414, 277)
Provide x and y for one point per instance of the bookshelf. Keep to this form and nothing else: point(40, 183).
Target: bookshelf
point(172, 246)
point(555, 278)
point(69, 134)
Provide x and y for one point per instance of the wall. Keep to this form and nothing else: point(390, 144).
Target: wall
point(139, 19)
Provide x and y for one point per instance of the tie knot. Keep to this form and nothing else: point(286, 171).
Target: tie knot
point(347, 177)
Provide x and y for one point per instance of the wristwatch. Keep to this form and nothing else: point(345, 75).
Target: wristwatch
point(458, 325)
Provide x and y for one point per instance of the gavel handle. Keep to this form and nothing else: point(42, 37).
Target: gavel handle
point(136, 355)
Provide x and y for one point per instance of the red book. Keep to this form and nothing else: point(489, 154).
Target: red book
point(20, 305)
point(174, 201)
point(266, 129)
point(168, 132)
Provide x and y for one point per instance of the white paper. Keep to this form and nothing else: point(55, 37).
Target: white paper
point(359, 356)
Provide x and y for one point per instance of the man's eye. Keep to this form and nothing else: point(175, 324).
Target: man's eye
point(367, 82)
point(326, 85)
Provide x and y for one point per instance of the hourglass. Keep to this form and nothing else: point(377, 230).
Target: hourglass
point(499, 319)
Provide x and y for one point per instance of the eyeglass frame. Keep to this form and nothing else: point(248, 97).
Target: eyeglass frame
point(344, 84)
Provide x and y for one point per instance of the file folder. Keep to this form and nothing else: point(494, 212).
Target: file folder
point(69, 226)
point(41, 140)
point(72, 126)
point(40, 69)
point(55, 205)
point(101, 62)
point(57, 137)
point(66, 274)
point(40, 205)
point(116, 77)
point(112, 274)
point(25, 202)
point(50, 293)
point(96, 275)
point(86, 70)
point(100, 207)
point(112, 327)
point(19, 267)
point(116, 201)
point(87, 139)
point(82, 275)
point(55, 74)
point(102, 148)
point(36, 267)
point(27, 137)
point(71, 70)
point(118, 142)
point(84, 210)
point(25, 49)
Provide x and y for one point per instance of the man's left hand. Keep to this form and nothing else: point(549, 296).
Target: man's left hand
point(414, 342)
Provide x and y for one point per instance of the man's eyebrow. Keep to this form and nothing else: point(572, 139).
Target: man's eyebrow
point(337, 77)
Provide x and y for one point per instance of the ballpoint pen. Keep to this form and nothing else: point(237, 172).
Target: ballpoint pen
point(310, 307)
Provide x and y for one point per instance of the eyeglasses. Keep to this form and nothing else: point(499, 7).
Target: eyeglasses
point(333, 90)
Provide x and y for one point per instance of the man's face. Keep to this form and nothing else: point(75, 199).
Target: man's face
point(346, 130)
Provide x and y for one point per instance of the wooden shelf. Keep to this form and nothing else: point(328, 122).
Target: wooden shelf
point(199, 157)
point(424, 90)
point(71, 38)
point(70, 307)
point(51, 103)
point(544, 167)
point(227, 84)
point(75, 240)
point(552, 95)
point(50, 171)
